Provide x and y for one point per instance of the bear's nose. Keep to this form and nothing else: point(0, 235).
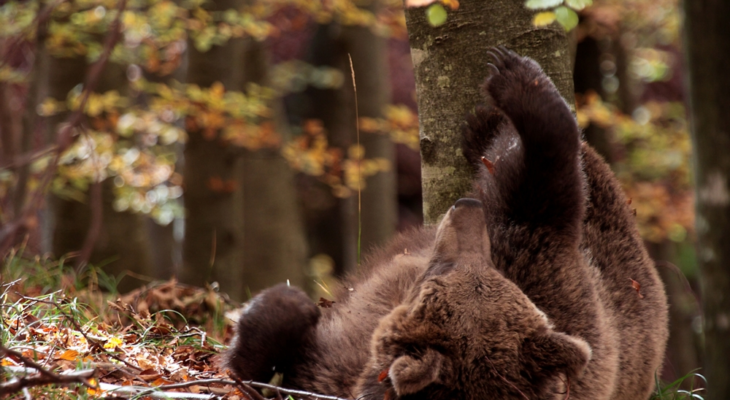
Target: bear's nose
point(468, 203)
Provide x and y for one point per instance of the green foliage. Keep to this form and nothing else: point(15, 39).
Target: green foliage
point(542, 4)
point(436, 14)
point(672, 391)
point(564, 14)
point(578, 4)
point(566, 17)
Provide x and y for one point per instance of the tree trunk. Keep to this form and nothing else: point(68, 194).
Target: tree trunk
point(336, 233)
point(707, 47)
point(330, 222)
point(378, 214)
point(450, 63)
point(274, 247)
point(212, 243)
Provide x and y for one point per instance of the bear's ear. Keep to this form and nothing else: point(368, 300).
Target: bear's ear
point(409, 374)
point(549, 352)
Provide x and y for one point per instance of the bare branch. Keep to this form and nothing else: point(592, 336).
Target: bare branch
point(65, 135)
point(44, 376)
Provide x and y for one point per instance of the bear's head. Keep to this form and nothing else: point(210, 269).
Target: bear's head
point(468, 332)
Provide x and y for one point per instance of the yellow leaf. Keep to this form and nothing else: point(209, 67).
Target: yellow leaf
point(92, 390)
point(112, 343)
point(543, 18)
point(356, 152)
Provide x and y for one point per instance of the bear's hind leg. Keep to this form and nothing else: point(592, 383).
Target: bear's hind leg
point(549, 189)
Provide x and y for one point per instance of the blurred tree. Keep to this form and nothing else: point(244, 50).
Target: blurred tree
point(707, 49)
point(212, 248)
point(332, 45)
point(72, 219)
point(450, 63)
point(274, 246)
point(377, 215)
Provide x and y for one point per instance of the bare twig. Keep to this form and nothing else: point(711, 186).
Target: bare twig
point(291, 391)
point(44, 377)
point(39, 22)
point(26, 158)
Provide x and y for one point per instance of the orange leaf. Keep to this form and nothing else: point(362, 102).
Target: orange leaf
point(383, 374)
point(68, 355)
point(637, 286)
point(488, 164)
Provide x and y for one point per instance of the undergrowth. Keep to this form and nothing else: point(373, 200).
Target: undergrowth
point(674, 391)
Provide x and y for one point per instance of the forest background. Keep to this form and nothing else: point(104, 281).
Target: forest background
point(225, 142)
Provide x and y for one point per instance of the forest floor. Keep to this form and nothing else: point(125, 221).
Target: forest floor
point(66, 335)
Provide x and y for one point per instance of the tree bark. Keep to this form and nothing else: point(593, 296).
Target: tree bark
point(707, 48)
point(450, 63)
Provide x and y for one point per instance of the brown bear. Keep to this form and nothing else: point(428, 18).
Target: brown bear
point(526, 293)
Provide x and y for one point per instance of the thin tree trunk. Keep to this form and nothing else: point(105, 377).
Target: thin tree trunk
point(450, 63)
point(707, 47)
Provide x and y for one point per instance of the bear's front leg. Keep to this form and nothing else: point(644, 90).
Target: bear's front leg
point(272, 333)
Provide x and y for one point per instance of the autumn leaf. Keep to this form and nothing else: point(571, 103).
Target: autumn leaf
point(637, 286)
point(488, 164)
point(68, 355)
point(113, 343)
point(383, 374)
point(543, 18)
point(324, 303)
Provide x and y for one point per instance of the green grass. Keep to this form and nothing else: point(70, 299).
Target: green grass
point(673, 391)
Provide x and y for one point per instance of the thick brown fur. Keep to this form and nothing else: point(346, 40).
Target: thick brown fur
point(524, 293)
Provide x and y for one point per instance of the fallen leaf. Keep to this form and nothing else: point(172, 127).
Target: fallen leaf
point(637, 286)
point(68, 355)
point(383, 374)
point(488, 164)
point(324, 303)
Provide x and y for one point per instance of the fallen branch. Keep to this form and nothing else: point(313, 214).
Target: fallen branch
point(44, 377)
point(203, 382)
